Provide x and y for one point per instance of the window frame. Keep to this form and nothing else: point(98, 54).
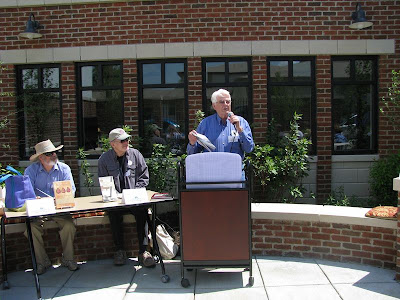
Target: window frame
point(374, 105)
point(40, 89)
point(291, 82)
point(142, 86)
point(100, 87)
point(206, 102)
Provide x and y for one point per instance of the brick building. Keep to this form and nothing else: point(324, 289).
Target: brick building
point(98, 64)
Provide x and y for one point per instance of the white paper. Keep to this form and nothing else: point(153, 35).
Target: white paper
point(204, 141)
point(40, 207)
point(133, 196)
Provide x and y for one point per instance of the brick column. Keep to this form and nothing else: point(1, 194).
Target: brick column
point(70, 119)
point(396, 187)
point(260, 121)
point(8, 110)
point(131, 104)
point(324, 121)
point(194, 88)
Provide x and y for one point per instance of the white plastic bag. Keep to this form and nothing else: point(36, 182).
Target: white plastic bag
point(168, 249)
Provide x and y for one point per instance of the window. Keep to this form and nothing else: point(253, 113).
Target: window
point(162, 100)
point(291, 88)
point(39, 106)
point(100, 103)
point(354, 105)
point(234, 75)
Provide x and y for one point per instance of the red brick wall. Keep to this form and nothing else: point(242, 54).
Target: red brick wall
point(339, 242)
point(131, 22)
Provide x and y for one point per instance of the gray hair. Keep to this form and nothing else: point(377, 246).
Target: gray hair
point(216, 94)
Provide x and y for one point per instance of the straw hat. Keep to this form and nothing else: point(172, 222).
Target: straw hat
point(44, 147)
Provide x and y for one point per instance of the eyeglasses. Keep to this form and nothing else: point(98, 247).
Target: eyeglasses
point(224, 102)
point(125, 140)
point(50, 153)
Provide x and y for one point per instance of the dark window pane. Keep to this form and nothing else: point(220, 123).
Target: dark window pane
point(42, 119)
point(102, 112)
point(151, 74)
point(238, 71)
point(363, 70)
point(215, 72)
point(302, 70)
point(351, 113)
point(164, 107)
point(341, 69)
point(174, 73)
point(90, 76)
point(285, 101)
point(279, 70)
point(112, 75)
point(30, 79)
point(51, 78)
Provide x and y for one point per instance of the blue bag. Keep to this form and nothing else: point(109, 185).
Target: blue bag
point(18, 189)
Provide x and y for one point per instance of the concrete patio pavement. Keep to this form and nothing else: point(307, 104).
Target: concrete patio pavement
point(275, 278)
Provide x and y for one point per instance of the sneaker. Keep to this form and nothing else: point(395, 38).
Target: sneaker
point(146, 260)
point(120, 258)
point(70, 264)
point(41, 268)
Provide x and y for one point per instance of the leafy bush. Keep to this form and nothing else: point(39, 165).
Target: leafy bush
point(280, 165)
point(381, 180)
point(162, 170)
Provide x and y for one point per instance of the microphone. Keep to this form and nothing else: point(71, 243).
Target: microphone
point(230, 114)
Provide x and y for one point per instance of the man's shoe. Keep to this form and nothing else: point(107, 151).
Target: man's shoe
point(146, 260)
point(41, 268)
point(70, 264)
point(120, 258)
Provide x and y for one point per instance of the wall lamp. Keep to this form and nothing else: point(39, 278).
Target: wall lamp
point(31, 29)
point(360, 22)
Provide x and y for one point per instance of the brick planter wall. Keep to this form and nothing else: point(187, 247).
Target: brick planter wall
point(339, 242)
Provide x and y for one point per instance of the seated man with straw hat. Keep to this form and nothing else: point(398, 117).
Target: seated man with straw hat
point(46, 169)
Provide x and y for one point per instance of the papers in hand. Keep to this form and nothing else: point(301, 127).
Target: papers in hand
point(204, 141)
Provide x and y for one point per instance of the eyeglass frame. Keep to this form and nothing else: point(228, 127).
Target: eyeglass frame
point(48, 154)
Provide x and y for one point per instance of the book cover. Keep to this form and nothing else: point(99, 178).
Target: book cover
point(63, 194)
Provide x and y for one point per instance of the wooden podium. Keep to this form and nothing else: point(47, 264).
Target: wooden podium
point(215, 225)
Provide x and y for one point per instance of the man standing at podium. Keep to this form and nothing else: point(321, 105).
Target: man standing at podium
point(129, 170)
point(225, 130)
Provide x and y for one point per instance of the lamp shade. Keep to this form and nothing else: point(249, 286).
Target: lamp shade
point(360, 21)
point(31, 29)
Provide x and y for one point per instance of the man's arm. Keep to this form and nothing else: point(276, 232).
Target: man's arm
point(246, 137)
point(142, 171)
point(67, 175)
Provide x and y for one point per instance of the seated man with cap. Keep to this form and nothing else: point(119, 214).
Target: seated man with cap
point(129, 170)
point(46, 169)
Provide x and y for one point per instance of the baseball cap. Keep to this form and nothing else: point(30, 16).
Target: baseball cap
point(117, 134)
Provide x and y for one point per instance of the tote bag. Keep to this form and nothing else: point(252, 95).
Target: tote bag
point(19, 189)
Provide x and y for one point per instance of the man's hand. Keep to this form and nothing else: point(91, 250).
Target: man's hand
point(192, 138)
point(234, 119)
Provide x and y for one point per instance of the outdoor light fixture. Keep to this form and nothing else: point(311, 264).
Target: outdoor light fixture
point(360, 22)
point(31, 29)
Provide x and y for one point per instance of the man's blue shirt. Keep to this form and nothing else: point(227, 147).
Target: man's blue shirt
point(224, 136)
point(43, 180)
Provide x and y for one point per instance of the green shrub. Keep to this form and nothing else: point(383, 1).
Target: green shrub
point(381, 180)
point(280, 165)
